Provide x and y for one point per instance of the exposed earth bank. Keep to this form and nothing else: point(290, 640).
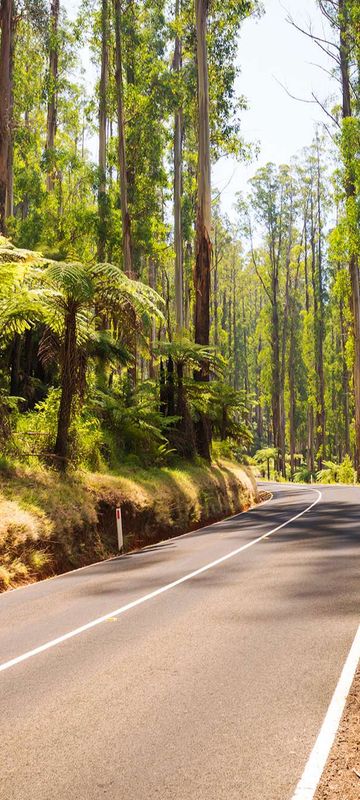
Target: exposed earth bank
point(50, 524)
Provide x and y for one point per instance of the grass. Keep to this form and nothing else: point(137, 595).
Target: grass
point(49, 524)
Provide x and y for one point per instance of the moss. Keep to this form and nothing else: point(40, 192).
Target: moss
point(50, 524)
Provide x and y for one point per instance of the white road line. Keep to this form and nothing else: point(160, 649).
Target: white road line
point(116, 613)
point(309, 781)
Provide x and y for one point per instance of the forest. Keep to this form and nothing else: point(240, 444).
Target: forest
point(138, 323)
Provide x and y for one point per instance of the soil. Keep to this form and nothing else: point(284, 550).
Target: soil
point(341, 777)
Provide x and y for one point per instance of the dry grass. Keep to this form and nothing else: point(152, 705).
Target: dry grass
point(21, 532)
point(49, 524)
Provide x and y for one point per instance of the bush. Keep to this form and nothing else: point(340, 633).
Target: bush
point(37, 432)
point(337, 473)
point(329, 473)
point(346, 472)
point(228, 449)
point(302, 475)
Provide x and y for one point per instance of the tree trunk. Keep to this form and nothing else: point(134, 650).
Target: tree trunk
point(68, 388)
point(216, 292)
point(187, 287)
point(275, 369)
point(292, 404)
point(170, 386)
point(52, 93)
point(246, 362)
point(6, 9)
point(10, 177)
point(283, 361)
point(152, 283)
point(15, 366)
point(321, 325)
point(185, 425)
point(125, 216)
point(318, 327)
point(127, 248)
point(179, 278)
point(203, 220)
point(310, 414)
point(345, 383)
point(102, 198)
point(350, 191)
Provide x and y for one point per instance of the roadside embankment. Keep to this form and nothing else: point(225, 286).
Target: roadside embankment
point(50, 524)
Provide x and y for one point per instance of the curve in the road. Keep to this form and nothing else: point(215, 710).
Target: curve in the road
point(145, 598)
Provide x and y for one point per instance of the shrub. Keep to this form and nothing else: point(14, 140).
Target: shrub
point(302, 475)
point(346, 472)
point(329, 473)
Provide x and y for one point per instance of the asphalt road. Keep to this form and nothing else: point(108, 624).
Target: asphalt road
point(215, 688)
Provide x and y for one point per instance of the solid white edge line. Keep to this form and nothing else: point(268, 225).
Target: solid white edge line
point(116, 613)
point(314, 768)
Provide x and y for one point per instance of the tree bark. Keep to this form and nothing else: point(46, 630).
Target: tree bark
point(345, 382)
point(6, 9)
point(178, 126)
point(10, 176)
point(203, 220)
point(52, 92)
point(68, 388)
point(283, 357)
point(185, 425)
point(104, 77)
point(216, 291)
point(15, 365)
point(316, 279)
point(275, 368)
point(321, 325)
point(350, 191)
point(125, 216)
point(152, 283)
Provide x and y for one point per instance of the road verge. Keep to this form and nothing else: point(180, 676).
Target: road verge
point(49, 525)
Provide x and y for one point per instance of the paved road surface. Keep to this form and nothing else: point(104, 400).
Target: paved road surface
point(213, 689)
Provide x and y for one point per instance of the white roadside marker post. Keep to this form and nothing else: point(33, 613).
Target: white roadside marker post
point(119, 529)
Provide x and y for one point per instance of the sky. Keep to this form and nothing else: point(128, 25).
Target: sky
point(272, 51)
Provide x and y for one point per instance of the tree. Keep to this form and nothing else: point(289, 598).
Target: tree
point(350, 141)
point(125, 216)
point(103, 103)
point(203, 216)
point(6, 14)
point(178, 137)
point(52, 92)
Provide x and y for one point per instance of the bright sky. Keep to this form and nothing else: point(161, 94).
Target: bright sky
point(271, 50)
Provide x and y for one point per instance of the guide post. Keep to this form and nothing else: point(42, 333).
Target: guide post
point(119, 529)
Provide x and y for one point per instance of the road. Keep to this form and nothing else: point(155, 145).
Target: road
point(214, 688)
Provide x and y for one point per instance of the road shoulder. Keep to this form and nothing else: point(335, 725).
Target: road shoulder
point(341, 777)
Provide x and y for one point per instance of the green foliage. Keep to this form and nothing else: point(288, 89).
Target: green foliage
point(329, 474)
point(337, 473)
point(302, 475)
point(346, 472)
point(137, 430)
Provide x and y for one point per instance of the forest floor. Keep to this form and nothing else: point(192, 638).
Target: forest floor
point(50, 524)
point(341, 777)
